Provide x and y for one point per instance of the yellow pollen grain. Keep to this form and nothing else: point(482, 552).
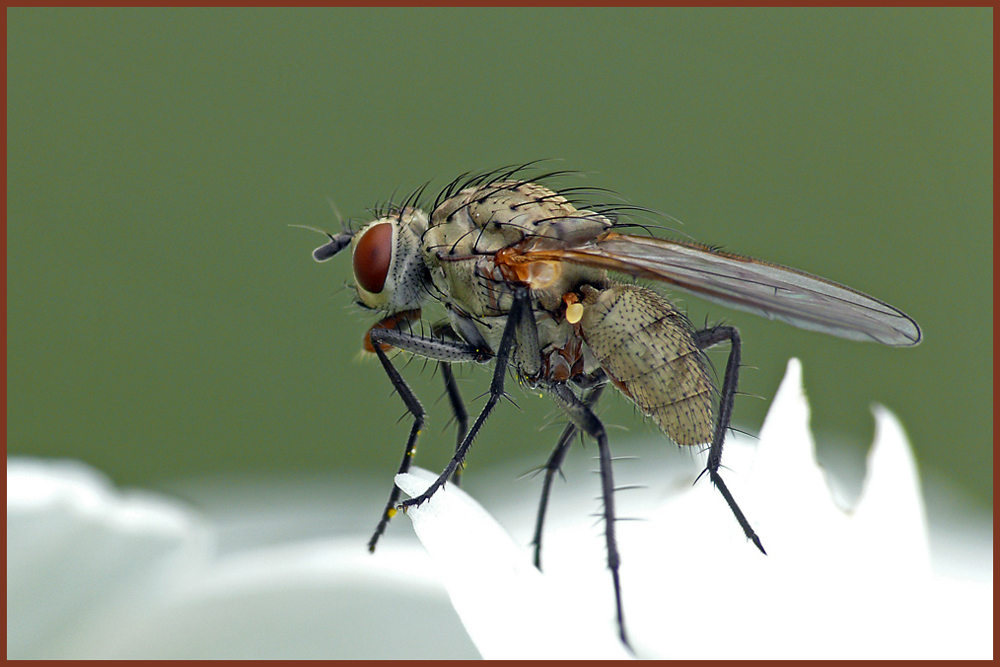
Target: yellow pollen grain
point(574, 313)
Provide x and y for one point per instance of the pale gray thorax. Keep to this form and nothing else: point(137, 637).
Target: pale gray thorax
point(467, 230)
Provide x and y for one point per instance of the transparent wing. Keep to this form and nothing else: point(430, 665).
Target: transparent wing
point(772, 291)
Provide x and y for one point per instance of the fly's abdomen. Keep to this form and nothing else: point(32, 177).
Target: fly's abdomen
point(647, 348)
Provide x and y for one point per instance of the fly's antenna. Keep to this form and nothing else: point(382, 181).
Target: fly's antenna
point(336, 244)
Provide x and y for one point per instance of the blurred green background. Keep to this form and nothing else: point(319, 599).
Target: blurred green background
point(164, 321)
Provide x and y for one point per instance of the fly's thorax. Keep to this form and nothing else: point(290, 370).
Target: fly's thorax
point(389, 269)
point(486, 218)
point(468, 230)
point(472, 284)
point(647, 348)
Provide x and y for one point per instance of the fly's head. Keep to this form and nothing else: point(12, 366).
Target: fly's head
point(389, 270)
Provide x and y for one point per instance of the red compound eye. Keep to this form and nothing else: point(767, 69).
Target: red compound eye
point(372, 256)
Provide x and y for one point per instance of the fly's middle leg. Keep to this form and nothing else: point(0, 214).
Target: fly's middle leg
point(554, 465)
point(442, 350)
point(454, 397)
point(458, 409)
point(704, 339)
point(584, 418)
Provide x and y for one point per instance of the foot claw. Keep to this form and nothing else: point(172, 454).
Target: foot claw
point(412, 502)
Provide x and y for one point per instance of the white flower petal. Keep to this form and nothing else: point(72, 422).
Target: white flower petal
point(890, 512)
point(75, 547)
point(315, 600)
point(507, 606)
point(787, 493)
point(95, 573)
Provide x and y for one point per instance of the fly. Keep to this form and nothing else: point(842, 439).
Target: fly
point(526, 280)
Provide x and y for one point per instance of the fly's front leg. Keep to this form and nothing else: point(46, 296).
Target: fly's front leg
point(428, 347)
point(554, 464)
point(704, 339)
point(520, 326)
point(584, 418)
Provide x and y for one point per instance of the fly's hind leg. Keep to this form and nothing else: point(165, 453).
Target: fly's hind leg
point(596, 385)
point(433, 348)
point(704, 339)
point(583, 418)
